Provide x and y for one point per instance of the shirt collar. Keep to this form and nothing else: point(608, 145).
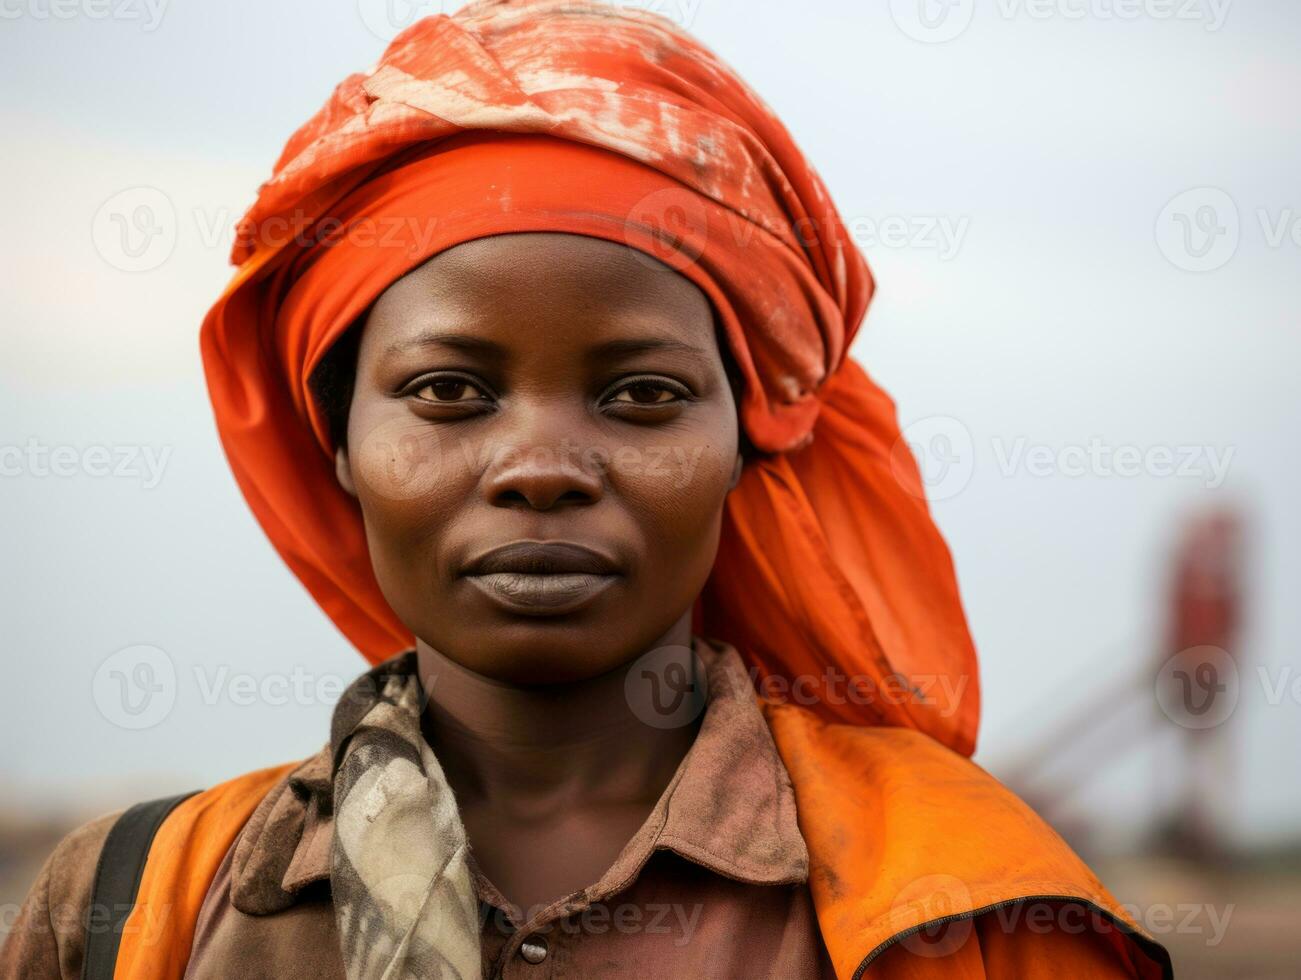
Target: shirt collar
point(730, 806)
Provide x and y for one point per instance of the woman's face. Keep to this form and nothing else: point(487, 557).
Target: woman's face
point(558, 394)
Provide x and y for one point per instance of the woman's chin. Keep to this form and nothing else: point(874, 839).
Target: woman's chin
point(534, 652)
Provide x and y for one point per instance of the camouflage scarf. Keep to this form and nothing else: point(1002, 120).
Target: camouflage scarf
point(403, 897)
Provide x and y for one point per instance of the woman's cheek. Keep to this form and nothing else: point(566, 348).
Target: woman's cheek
point(695, 466)
point(411, 484)
point(399, 459)
point(413, 480)
point(686, 481)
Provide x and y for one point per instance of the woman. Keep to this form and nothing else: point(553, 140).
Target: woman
point(534, 371)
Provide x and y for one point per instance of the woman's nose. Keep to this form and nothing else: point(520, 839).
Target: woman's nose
point(543, 475)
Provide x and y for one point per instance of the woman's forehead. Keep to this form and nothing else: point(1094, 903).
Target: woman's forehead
point(520, 258)
point(606, 293)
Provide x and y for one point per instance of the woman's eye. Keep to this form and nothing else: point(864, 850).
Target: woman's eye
point(448, 390)
point(646, 393)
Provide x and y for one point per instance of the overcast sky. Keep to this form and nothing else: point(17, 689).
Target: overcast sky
point(1086, 227)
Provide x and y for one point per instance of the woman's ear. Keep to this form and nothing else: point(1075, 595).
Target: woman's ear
point(343, 471)
point(736, 471)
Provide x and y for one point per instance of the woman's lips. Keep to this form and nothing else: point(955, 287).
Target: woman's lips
point(542, 595)
point(542, 578)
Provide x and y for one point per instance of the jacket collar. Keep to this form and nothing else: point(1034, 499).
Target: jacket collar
point(729, 808)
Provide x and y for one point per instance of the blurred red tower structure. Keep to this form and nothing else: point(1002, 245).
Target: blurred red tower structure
point(1196, 686)
point(1202, 651)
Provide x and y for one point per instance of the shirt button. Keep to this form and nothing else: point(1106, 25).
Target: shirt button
point(534, 949)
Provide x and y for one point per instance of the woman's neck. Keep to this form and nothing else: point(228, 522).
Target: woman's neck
point(536, 753)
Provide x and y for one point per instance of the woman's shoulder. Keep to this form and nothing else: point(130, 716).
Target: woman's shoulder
point(904, 832)
point(942, 810)
point(48, 937)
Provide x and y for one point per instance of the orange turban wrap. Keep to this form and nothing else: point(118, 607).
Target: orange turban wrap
point(575, 117)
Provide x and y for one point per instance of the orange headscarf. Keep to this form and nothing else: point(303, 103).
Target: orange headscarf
point(557, 115)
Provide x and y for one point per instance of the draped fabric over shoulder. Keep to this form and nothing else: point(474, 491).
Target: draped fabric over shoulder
point(559, 115)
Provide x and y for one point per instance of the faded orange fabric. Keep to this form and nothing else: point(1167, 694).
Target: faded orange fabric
point(183, 858)
point(566, 116)
point(902, 832)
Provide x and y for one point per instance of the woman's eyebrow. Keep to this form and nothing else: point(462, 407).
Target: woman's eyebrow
point(471, 343)
point(456, 341)
point(626, 346)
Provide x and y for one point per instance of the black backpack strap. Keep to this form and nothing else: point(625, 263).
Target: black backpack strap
point(117, 880)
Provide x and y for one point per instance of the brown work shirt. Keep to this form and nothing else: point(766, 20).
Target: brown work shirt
point(713, 885)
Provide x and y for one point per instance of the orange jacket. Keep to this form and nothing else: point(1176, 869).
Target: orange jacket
point(921, 866)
